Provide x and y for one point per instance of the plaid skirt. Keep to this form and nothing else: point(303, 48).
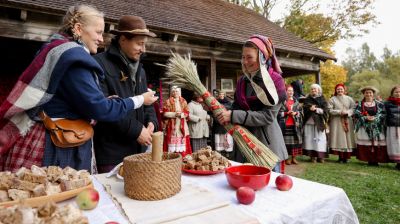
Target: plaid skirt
point(27, 150)
point(293, 144)
point(198, 143)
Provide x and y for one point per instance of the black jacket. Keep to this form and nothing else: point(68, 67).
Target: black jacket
point(115, 140)
point(217, 128)
point(320, 119)
point(392, 114)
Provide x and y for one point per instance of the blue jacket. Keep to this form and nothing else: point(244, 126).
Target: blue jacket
point(78, 96)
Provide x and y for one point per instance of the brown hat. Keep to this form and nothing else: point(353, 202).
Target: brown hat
point(373, 89)
point(133, 25)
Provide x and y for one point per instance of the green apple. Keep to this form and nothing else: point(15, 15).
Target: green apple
point(88, 199)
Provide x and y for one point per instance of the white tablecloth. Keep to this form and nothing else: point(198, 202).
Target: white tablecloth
point(307, 202)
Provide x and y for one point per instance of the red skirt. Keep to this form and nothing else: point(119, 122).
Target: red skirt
point(374, 154)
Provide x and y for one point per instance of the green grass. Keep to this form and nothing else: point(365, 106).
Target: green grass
point(373, 191)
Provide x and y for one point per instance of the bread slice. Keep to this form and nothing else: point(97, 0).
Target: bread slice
point(4, 196)
point(16, 194)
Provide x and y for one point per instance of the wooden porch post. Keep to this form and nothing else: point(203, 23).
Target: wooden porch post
point(318, 78)
point(213, 75)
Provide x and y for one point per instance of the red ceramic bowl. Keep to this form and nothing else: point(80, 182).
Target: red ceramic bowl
point(255, 177)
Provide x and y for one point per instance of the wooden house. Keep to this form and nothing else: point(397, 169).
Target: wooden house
point(212, 31)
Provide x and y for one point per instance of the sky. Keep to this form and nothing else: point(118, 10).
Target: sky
point(387, 33)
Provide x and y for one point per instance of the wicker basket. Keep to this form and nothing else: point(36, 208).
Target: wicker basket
point(149, 180)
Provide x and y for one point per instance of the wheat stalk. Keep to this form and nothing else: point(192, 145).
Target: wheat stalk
point(182, 72)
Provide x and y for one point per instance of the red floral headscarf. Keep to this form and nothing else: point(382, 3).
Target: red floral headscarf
point(340, 85)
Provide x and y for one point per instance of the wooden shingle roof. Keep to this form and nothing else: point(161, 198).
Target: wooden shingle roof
point(211, 19)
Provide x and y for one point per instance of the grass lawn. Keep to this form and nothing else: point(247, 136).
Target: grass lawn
point(373, 191)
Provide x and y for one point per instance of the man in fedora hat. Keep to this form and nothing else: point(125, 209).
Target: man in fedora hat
point(124, 76)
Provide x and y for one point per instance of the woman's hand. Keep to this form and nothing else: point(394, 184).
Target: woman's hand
point(149, 97)
point(224, 117)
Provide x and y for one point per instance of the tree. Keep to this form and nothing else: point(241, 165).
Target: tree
point(362, 59)
point(383, 75)
point(345, 19)
point(331, 75)
point(314, 28)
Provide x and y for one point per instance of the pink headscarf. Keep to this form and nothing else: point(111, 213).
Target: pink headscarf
point(264, 44)
point(270, 72)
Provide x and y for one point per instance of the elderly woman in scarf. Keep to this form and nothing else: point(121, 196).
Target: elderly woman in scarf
point(341, 128)
point(315, 120)
point(176, 113)
point(258, 95)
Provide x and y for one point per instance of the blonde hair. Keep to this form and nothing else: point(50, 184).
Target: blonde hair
point(78, 14)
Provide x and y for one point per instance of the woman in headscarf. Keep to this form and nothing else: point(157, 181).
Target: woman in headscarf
point(176, 113)
point(341, 127)
point(258, 95)
point(315, 121)
point(369, 126)
point(392, 106)
point(198, 123)
point(291, 121)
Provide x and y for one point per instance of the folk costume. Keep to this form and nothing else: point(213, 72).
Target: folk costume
point(62, 80)
point(314, 123)
point(257, 100)
point(370, 138)
point(198, 125)
point(292, 128)
point(341, 127)
point(177, 137)
point(223, 140)
point(392, 106)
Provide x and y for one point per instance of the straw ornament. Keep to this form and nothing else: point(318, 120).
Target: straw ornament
point(182, 72)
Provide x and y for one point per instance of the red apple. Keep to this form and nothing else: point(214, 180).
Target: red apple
point(245, 195)
point(88, 199)
point(283, 182)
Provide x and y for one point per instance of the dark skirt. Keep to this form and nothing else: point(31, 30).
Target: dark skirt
point(198, 143)
point(344, 155)
point(79, 157)
point(314, 153)
point(373, 154)
point(293, 144)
